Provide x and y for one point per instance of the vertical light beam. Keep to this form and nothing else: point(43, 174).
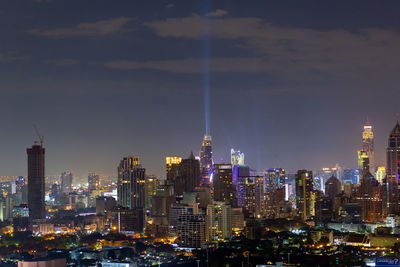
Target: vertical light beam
point(206, 64)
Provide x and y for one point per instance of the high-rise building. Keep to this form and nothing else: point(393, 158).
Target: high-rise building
point(368, 144)
point(151, 188)
point(219, 221)
point(131, 183)
point(274, 179)
point(333, 187)
point(305, 198)
point(190, 226)
point(237, 157)
point(36, 185)
point(369, 197)
point(93, 182)
point(362, 159)
point(173, 168)
point(251, 194)
point(66, 182)
point(189, 175)
point(380, 174)
point(206, 162)
point(391, 197)
point(222, 182)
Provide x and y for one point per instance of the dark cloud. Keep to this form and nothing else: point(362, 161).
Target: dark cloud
point(98, 28)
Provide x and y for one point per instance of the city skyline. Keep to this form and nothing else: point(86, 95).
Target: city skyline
point(79, 79)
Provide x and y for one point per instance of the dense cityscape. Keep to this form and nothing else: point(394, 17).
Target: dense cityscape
point(199, 133)
point(205, 213)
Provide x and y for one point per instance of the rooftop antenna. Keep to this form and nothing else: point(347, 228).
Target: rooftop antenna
point(41, 137)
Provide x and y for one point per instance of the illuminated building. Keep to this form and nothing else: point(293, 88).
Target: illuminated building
point(172, 167)
point(380, 174)
point(190, 226)
point(206, 163)
point(93, 182)
point(362, 159)
point(323, 209)
point(20, 216)
point(351, 176)
point(321, 176)
point(131, 183)
point(222, 182)
point(305, 198)
point(240, 175)
point(391, 196)
point(36, 184)
point(126, 220)
point(333, 187)
point(274, 179)
point(66, 182)
point(369, 197)
point(368, 144)
point(219, 221)
point(237, 157)
point(251, 194)
point(151, 188)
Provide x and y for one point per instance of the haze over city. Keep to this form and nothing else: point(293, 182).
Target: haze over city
point(103, 80)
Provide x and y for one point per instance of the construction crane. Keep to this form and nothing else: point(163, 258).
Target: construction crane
point(41, 137)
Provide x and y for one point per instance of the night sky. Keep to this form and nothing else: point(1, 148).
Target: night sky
point(291, 82)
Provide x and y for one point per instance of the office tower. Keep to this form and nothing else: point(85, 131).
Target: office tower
point(222, 182)
point(36, 186)
point(21, 191)
point(274, 179)
point(131, 183)
point(190, 226)
point(351, 213)
point(189, 177)
point(219, 221)
point(237, 157)
point(333, 187)
point(152, 183)
point(20, 216)
point(240, 174)
point(253, 188)
point(237, 219)
point(125, 220)
point(351, 176)
point(93, 182)
point(66, 182)
point(304, 194)
point(391, 197)
point(161, 204)
point(362, 159)
point(368, 144)
point(380, 174)
point(206, 162)
point(369, 197)
point(173, 168)
point(323, 208)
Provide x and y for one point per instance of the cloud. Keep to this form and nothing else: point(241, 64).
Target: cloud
point(217, 13)
point(12, 56)
point(193, 65)
point(169, 5)
point(98, 28)
point(371, 52)
point(62, 62)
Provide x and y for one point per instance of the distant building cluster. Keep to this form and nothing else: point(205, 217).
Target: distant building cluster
point(200, 201)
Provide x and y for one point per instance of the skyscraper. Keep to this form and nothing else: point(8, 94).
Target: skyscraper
point(304, 194)
point(368, 144)
point(391, 197)
point(362, 158)
point(36, 186)
point(66, 182)
point(93, 182)
point(206, 163)
point(189, 174)
point(172, 167)
point(219, 221)
point(131, 183)
point(223, 186)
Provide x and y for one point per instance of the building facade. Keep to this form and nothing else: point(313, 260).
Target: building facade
point(36, 183)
